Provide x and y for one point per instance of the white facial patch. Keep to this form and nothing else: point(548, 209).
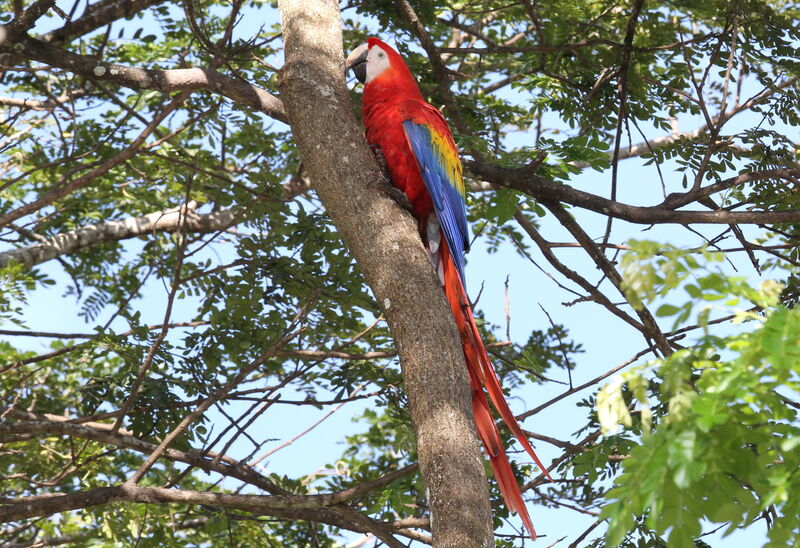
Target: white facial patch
point(377, 62)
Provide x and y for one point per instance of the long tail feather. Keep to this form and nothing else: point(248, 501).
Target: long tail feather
point(492, 384)
point(487, 431)
point(482, 374)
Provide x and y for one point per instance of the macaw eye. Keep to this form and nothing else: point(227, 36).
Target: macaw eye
point(381, 55)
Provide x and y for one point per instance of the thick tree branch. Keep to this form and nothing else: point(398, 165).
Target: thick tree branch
point(289, 506)
point(547, 190)
point(102, 433)
point(387, 247)
point(33, 13)
point(190, 79)
point(325, 508)
point(205, 460)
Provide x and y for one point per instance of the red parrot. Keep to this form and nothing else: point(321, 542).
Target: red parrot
point(423, 163)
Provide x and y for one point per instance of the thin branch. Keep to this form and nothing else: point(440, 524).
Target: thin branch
point(33, 13)
point(622, 90)
point(35, 104)
point(15, 509)
point(183, 210)
point(648, 146)
point(594, 293)
point(567, 221)
point(583, 386)
point(203, 407)
point(65, 187)
point(328, 354)
point(305, 431)
point(95, 16)
point(577, 541)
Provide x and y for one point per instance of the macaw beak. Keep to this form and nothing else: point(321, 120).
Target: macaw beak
point(357, 61)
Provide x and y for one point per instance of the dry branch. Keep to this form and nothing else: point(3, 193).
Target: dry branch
point(132, 227)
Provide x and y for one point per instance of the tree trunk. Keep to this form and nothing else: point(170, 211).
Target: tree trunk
point(389, 252)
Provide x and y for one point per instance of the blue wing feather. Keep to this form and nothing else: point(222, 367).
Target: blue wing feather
point(444, 184)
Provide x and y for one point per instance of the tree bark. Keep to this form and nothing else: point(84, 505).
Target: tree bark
point(387, 247)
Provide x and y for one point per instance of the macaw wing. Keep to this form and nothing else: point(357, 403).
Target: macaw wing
point(441, 171)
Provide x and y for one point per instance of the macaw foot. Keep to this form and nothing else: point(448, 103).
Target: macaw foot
point(381, 159)
point(398, 196)
point(386, 185)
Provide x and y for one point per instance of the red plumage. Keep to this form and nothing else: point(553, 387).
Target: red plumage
point(391, 99)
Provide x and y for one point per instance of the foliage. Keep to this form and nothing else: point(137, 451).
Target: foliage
point(726, 450)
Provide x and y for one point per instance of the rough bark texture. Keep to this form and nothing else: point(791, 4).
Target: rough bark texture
point(387, 247)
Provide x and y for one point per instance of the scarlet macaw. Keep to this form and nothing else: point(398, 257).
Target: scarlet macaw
point(422, 161)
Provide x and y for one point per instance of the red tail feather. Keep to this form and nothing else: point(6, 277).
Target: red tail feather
point(482, 374)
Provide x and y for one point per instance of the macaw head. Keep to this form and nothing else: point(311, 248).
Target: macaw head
point(378, 66)
point(370, 60)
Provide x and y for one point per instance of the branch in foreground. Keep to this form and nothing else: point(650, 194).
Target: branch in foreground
point(289, 506)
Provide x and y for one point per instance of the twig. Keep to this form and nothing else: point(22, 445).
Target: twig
point(194, 415)
point(304, 432)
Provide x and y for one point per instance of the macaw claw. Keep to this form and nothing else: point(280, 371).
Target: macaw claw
point(386, 185)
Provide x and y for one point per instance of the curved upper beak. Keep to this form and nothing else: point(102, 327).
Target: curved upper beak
point(357, 61)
